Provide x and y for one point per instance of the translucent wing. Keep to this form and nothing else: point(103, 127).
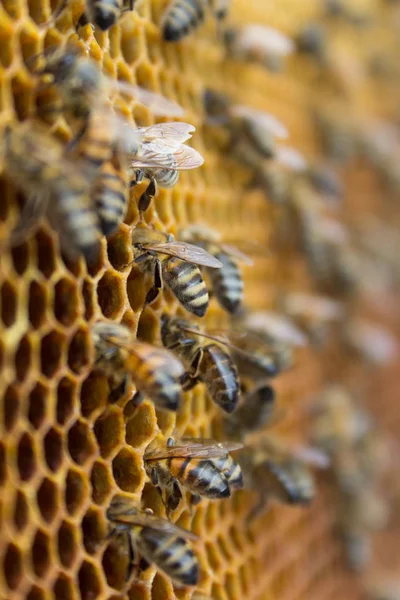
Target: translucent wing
point(183, 159)
point(265, 39)
point(32, 213)
point(263, 119)
point(236, 253)
point(291, 158)
point(166, 134)
point(124, 514)
point(194, 448)
point(165, 358)
point(311, 456)
point(158, 104)
point(277, 326)
point(187, 252)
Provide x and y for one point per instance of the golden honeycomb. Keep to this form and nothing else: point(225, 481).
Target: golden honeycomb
point(64, 453)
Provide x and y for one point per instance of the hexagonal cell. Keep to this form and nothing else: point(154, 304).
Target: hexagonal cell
point(65, 301)
point(23, 358)
point(128, 470)
point(66, 391)
point(36, 12)
point(89, 299)
point(94, 530)
point(101, 482)
point(136, 289)
point(76, 491)
point(94, 394)
point(6, 49)
point(26, 459)
point(41, 553)
point(79, 351)
point(63, 588)
point(119, 249)
point(81, 444)
point(89, 583)
point(110, 295)
point(67, 544)
point(53, 449)
point(115, 562)
point(36, 593)
point(37, 403)
point(47, 498)
point(8, 303)
point(45, 252)
point(11, 407)
point(148, 325)
point(37, 304)
point(21, 511)
point(140, 428)
point(109, 431)
point(51, 351)
point(213, 557)
point(161, 587)
point(12, 566)
point(224, 547)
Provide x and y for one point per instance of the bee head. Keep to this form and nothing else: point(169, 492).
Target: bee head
point(104, 18)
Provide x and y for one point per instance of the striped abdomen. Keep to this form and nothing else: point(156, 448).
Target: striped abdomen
point(166, 178)
point(227, 283)
point(185, 281)
point(96, 144)
point(201, 477)
point(109, 196)
point(153, 376)
point(170, 553)
point(182, 17)
point(104, 13)
point(220, 375)
point(288, 482)
point(80, 230)
point(230, 469)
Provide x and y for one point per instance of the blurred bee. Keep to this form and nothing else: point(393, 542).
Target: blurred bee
point(154, 371)
point(205, 361)
point(227, 283)
point(258, 44)
point(203, 467)
point(174, 263)
point(372, 343)
point(158, 153)
point(157, 541)
point(252, 132)
point(281, 473)
point(338, 9)
point(184, 16)
point(103, 13)
point(255, 411)
point(35, 163)
point(383, 588)
point(326, 181)
point(313, 314)
point(312, 40)
point(109, 194)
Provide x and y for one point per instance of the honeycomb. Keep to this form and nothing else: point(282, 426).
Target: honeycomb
point(64, 453)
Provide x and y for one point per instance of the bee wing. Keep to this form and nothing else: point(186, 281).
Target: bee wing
point(32, 213)
point(188, 253)
point(262, 119)
point(236, 253)
point(167, 134)
point(183, 159)
point(194, 448)
point(158, 104)
point(291, 158)
point(144, 519)
point(277, 326)
point(266, 40)
point(311, 456)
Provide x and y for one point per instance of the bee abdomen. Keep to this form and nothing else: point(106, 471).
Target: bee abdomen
point(231, 470)
point(110, 199)
point(182, 17)
point(166, 178)
point(201, 477)
point(79, 220)
point(296, 490)
point(157, 383)
point(187, 284)
point(104, 13)
point(221, 377)
point(172, 554)
point(227, 283)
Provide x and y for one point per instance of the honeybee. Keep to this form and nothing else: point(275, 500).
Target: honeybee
point(259, 44)
point(204, 361)
point(157, 541)
point(252, 132)
point(372, 343)
point(184, 16)
point(154, 371)
point(35, 163)
point(109, 194)
point(103, 13)
point(227, 283)
point(203, 467)
point(158, 153)
point(255, 410)
point(281, 473)
point(326, 181)
point(174, 263)
point(312, 40)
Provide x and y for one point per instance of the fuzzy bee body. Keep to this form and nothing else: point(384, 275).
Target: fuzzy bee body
point(123, 360)
point(187, 284)
point(157, 541)
point(182, 17)
point(109, 196)
point(202, 467)
point(227, 283)
point(207, 362)
point(104, 13)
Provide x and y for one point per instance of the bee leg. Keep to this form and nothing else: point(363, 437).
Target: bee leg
point(155, 290)
point(196, 363)
point(137, 398)
point(147, 195)
point(257, 509)
point(187, 382)
point(58, 11)
point(82, 22)
point(120, 391)
point(194, 501)
point(75, 140)
point(174, 496)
